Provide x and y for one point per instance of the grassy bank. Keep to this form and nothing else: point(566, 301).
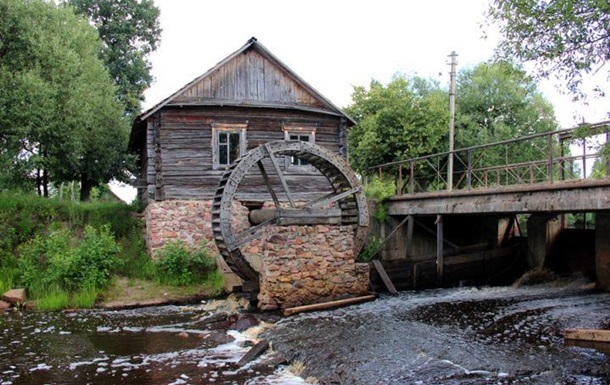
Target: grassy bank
point(69, 254)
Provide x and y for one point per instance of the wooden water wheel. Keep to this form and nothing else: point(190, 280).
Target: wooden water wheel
point(345, 204)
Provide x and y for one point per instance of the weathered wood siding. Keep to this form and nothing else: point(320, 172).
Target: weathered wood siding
point(249, 77)
point(180, 145)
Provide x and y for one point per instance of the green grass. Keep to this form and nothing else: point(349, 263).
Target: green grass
point(8, 279)
point(53, 300)
point(84, 298)
point(214, 283)
point(27, 217)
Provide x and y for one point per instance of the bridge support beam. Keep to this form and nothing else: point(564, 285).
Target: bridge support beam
point(542, 230)
point(602, 249)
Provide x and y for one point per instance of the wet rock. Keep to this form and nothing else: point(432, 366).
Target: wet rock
point(15, 297)
point(218, 337)
point(4, 305)
point(244, 322)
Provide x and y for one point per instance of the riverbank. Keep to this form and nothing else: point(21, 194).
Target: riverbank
point(127, 293)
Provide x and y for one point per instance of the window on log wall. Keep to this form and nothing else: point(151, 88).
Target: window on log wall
point(302, 133)
point(229, 143)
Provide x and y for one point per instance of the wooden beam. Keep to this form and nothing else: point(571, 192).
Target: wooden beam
point(254, 352)
point(410, 223)
point(327, 305)
point(384, 277)
point(280, 175)
point(429, 230)
point(439, 250)
point(587, 335)
point(261, 167)
point(332, 197)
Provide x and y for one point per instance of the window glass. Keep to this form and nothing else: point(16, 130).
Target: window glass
point(296, 161)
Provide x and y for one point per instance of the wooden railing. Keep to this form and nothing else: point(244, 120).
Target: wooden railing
point(548, 157)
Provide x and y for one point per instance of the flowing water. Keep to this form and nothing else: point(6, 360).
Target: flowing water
point(446, 336)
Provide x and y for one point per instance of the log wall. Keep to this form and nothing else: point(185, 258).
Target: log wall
point(179, 151)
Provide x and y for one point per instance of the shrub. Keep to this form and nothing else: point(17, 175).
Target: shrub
point(61, 261)
point(370, 250)
point(181, 267)
point(377, 190)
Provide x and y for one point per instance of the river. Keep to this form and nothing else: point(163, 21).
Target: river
point(469, 335)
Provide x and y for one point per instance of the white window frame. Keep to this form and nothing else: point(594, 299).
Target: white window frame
point(227, 128)
point(298, 129)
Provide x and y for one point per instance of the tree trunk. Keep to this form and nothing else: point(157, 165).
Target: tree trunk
point(85, 190)
point(45, 182)
point(38, 182)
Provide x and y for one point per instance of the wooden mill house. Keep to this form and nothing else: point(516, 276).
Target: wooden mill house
point(185, 142)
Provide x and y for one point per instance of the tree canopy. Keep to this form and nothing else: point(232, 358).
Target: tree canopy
point(564, 37)
point(130, 31)
point(59, 120)
point(499, 101)
point(406, 118)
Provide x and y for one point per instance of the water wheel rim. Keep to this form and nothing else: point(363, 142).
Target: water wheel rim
point(354, 210)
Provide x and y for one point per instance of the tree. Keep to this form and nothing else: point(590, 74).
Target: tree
point(405, 119)
point(130, 31)
point(565, 37)
point(59, 119)
point(498, 102)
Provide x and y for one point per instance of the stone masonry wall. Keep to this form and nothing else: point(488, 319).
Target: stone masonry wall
point(298, 264)
point(309, 264)
point(186, 221)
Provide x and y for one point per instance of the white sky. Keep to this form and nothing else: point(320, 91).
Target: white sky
point(333, 45)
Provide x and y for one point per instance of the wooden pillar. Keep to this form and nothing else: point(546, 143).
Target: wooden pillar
point(439, 250)
point(602, 249)
point(410, 223)
point(542, 231)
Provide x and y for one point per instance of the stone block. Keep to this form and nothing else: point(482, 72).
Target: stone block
point(4, 305)
point(15, 296)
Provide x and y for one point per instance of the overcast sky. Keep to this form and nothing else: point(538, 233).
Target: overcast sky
point(333, 44)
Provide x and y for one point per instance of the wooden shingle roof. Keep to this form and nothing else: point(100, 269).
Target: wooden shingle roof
point(250, 77)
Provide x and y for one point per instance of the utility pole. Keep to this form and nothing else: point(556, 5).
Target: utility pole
point(453, 64)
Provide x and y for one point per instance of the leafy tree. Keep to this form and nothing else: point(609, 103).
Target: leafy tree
point(403, 119)
point(565, 37)
point(130, 31)
point(59, 120)
point(497, 102)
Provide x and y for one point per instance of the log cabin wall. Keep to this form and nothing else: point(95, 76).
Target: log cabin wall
point(180, 150)
point(250, 89)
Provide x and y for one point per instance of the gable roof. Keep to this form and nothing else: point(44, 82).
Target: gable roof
point(251, 77)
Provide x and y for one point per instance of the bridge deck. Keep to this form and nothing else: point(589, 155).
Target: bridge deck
point(559, 197)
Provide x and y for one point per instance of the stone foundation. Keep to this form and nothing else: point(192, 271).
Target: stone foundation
point(298, 264)
point(187, 221)
point(309, 264)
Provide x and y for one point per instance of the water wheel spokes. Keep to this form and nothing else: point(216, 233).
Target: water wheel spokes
point(345, 204)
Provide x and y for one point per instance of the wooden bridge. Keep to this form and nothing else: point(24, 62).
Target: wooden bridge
point(493, 185)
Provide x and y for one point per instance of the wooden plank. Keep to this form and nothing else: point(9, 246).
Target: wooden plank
point(439, 250)
point(384, 277)
point(587, 335)
point(254, 352)
point(279, 173)
point(328, 305)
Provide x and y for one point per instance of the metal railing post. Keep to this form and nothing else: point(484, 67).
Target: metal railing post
point(399, 187)
point(469, 169)
point(412, 178)
point(551, 159)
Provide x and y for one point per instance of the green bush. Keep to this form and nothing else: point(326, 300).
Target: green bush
point(180, 267)
point(377, 190)
point(370, 250)
point(59, 260)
